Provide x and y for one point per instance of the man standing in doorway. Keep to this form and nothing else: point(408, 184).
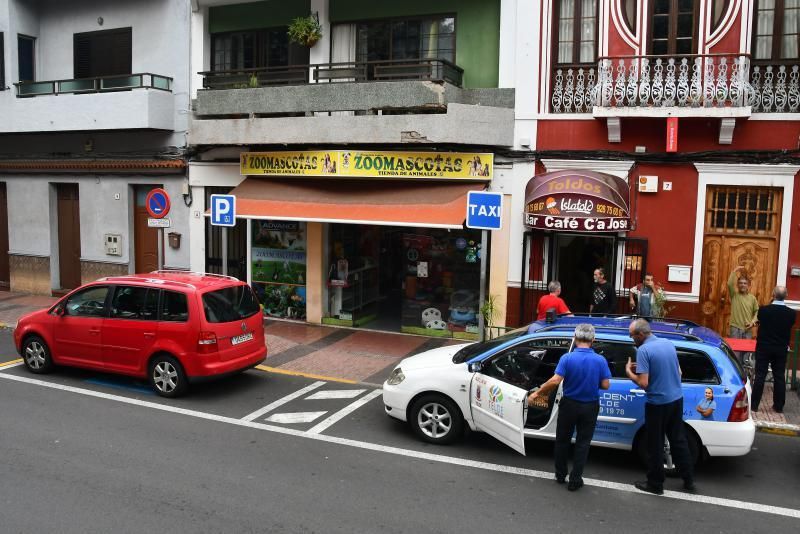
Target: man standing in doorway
point(744, 305)
point(551, 301)
point(603, 298)
point(658, 373)
point(775, 328)
point(643, 298)
point(584, 373)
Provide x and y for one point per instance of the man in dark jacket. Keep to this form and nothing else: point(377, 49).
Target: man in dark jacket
point(772, 343)
point(603, 299)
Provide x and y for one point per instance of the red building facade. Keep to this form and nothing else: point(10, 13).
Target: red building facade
point(719, 191)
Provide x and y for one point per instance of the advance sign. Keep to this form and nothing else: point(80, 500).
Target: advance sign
point(484, 210)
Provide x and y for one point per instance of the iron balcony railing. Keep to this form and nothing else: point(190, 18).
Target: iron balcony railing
point(690, 81)
point(103, 84)
point(437, 70)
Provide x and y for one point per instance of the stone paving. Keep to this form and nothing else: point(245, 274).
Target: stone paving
point(359, 355)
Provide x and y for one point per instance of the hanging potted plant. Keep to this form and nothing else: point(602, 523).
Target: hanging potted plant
point(305, 31)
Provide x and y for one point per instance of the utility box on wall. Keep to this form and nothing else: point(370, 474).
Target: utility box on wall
point(113, 244)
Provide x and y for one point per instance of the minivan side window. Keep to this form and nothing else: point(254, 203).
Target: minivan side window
point(135, 302)
point(90, 302)
point(174, 307)
point(697, 367)
point(616, 354)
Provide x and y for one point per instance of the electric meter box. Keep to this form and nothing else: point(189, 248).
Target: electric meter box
point(113, 244)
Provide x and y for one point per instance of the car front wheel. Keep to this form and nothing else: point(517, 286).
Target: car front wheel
point(167, 377)
point(36, 355)
point(436, 419)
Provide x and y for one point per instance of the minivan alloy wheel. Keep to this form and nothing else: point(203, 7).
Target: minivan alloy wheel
point(165, 377)
point(35, 355)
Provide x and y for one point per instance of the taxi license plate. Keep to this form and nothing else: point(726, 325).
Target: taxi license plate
point(235, 340)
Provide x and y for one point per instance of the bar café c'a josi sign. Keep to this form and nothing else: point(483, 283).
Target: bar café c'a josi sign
point(369, 164)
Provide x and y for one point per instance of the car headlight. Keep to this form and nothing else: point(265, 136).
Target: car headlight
point(396, 377)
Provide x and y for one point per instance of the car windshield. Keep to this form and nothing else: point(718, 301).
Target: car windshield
point(474, 349)
point(229, 304)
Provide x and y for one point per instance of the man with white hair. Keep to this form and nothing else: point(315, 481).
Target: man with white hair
point(552, 301)
point(772, 343)
point(658, 373)
point(584, 373)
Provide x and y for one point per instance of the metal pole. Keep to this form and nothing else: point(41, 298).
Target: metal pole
point(225, 250)
point(160, 246)
point(484, 252)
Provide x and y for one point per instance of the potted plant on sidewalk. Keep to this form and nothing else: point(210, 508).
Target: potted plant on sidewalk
point(305, 31)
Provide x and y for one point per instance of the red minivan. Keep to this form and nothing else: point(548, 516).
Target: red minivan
point(172, 327)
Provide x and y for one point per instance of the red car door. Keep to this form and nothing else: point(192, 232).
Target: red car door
point(77, 332)
point(130, 330)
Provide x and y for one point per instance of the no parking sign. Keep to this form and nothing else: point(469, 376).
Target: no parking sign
point(157, 203)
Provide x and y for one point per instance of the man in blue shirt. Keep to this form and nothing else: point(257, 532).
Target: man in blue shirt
point(583, 372)
point(657, 371)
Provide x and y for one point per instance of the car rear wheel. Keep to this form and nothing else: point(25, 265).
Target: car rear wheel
point(436, 419)
point(36, 355)
point(167, 377)
point(670, 469)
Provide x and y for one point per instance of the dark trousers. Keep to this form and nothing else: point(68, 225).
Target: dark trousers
point(775, 356)
point(580, 417)
point(666, 420)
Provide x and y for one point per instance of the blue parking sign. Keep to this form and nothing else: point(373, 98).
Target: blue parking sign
point(484, 210)
point(223, 210)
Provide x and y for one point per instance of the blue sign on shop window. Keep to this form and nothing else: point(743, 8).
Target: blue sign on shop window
point(484, 210)
point(223, 210)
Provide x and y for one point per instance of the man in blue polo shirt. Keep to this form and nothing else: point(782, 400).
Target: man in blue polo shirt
point(658, 373)
point(584, 373)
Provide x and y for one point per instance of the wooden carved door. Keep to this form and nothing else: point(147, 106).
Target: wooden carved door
point(145, 239)
point(69, 235)
point(742, 230)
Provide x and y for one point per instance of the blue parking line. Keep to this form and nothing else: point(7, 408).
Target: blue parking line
point(118, 385)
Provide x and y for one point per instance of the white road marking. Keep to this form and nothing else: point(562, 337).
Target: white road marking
point(350, 408)
point(295, 417)
point(336, 394)
point(283, 400)
point(415, 455)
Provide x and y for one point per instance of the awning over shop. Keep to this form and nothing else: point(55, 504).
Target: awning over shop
point(577, 201)
point(389, 203)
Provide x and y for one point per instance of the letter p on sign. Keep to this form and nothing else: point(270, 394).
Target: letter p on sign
point(223, 210)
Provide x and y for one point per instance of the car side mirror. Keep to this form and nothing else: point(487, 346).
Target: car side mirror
point(474, 367)
point(59, 310)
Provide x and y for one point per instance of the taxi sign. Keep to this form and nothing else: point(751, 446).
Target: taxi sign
point(157, 203)
point(484, 210)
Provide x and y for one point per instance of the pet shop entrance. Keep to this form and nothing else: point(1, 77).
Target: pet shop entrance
point(404, 279)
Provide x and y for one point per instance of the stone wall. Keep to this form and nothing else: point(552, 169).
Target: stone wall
point(30, 274)
point(92, 270)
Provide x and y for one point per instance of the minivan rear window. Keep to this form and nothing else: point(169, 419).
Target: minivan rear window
point(230, 304)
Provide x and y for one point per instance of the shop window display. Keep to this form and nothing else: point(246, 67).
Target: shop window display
point(278, 255)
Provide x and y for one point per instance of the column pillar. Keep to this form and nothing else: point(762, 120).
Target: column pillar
point(498, 264)
point(315, 271)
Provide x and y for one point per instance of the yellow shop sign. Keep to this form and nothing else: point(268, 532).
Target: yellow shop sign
point(370, 164)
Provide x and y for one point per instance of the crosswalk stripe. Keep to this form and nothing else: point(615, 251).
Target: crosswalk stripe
point(280, 402)
point(336, 394)
point(350, 408)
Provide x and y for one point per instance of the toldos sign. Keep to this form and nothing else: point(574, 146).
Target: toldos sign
point(577, 201)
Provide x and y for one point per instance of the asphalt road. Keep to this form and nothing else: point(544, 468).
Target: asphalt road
point(85, 452)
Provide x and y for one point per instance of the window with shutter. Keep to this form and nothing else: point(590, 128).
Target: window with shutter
point(25, 57)
point(103, 53)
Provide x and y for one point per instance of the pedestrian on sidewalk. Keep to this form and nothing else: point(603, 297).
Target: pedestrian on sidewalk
point(772, 343)
point(744, 305)
point(643, 298)
point(658, 373)
point(603, 298)
point(552, 301)
point(583, 372)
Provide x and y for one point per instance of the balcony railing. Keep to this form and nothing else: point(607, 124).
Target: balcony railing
point(94, 85)
point(437, 70)
point(697, 81)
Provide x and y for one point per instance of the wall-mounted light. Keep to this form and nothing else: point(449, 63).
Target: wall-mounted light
point(100, 21)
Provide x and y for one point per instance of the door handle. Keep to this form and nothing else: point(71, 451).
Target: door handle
point(638, 391)
point(94, 330)
point(149, 335)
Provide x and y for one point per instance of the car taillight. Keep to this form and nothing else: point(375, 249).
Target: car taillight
point(741, 407)
point(207, 342)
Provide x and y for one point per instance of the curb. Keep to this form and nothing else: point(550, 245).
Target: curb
point(780, 429)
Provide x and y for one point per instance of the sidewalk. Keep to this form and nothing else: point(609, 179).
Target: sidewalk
point(368, 356)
